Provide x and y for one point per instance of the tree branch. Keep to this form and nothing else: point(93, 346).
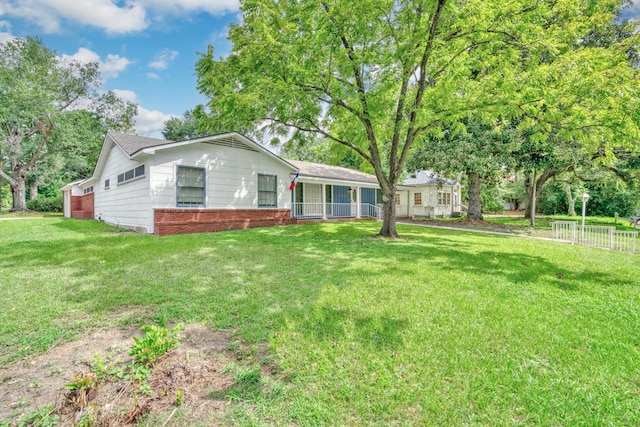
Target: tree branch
point(314, 128)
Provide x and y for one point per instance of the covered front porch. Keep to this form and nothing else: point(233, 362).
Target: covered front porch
point(330, 201)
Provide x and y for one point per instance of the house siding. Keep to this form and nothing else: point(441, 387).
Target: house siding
point(231, 176)
point(126, 204)
point(429, 207)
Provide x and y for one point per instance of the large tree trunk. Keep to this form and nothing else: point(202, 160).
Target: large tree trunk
point(529, 187)
point(18, 189)
point(389, 215)
point(474, 212)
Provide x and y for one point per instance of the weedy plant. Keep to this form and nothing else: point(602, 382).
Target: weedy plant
point(44, 417)
point(156, 342)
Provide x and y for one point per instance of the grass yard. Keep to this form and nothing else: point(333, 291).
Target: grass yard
point(438, 328)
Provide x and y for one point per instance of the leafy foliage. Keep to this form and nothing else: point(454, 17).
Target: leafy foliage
point(42, 130)
point(179, 129)
point(156, 342)
point(44, 417)
point(46, 204)
point(378, 76)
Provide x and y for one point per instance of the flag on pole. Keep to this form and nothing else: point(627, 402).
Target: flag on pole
point(294, 181)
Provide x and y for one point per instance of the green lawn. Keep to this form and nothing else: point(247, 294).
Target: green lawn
point(438, 328)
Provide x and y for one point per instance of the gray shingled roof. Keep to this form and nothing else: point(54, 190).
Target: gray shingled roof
point(428, 177)
point(317, 170)
point(131, 144)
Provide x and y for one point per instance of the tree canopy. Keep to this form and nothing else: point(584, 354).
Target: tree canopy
point(376, 76)
point(41, 95)
point(179, 129)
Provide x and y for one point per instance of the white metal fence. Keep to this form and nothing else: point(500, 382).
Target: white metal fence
point(595, 235)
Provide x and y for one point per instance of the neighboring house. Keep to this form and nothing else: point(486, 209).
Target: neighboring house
point(220, 182)
point(431, 195)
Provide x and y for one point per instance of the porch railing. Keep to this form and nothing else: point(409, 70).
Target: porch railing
point(305, 210)
point(595, 235)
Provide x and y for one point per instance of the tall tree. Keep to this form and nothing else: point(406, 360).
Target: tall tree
point(376, 75)
point(481, 152)
point(37, 91)
point(179, 129)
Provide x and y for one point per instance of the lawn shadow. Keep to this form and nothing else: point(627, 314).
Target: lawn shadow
point(335, 325)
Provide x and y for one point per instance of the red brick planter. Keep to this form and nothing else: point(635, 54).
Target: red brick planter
point(182, 221)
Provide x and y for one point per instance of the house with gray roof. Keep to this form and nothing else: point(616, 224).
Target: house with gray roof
point(431, 195)
point(219, 182)
point(227, 181)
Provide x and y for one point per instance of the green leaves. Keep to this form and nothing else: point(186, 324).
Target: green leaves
point(375, 76)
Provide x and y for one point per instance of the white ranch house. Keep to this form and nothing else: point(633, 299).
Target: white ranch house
point(227, 181)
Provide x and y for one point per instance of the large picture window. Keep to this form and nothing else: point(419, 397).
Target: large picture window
point(267, 191)
point(191, 186)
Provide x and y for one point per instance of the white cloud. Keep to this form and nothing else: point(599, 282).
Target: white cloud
point(112, 16)
point(150, 123)
point(127, 95)
point(5, 31)
point(110, 67)
point(153, 76)
point(104, 14)
point(113, 65)
point(163, 59)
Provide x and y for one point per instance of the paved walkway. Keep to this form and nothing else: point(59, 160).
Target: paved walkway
point(473, 230)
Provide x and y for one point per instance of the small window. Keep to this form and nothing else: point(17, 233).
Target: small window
point(444, 198)
point(190, 187)
point(106, 183)
point(267, 191)
point(417, 199)
point(397, 198)
point(131, 174)
point(88, 190)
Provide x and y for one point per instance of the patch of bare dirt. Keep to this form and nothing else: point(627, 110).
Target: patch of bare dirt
point(180, 382)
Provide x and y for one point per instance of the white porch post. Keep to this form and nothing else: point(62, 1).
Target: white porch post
point(358, 202)
point(324, 201)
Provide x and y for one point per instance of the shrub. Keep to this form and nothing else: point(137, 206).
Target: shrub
point(491, 199)
point(46, 204)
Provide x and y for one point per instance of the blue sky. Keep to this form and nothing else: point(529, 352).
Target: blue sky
point(146, 48)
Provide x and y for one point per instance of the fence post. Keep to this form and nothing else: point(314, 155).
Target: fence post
point(574, 227)
point(611, 237)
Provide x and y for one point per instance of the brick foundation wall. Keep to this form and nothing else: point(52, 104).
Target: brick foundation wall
point(82, 206)
point(182, 221)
